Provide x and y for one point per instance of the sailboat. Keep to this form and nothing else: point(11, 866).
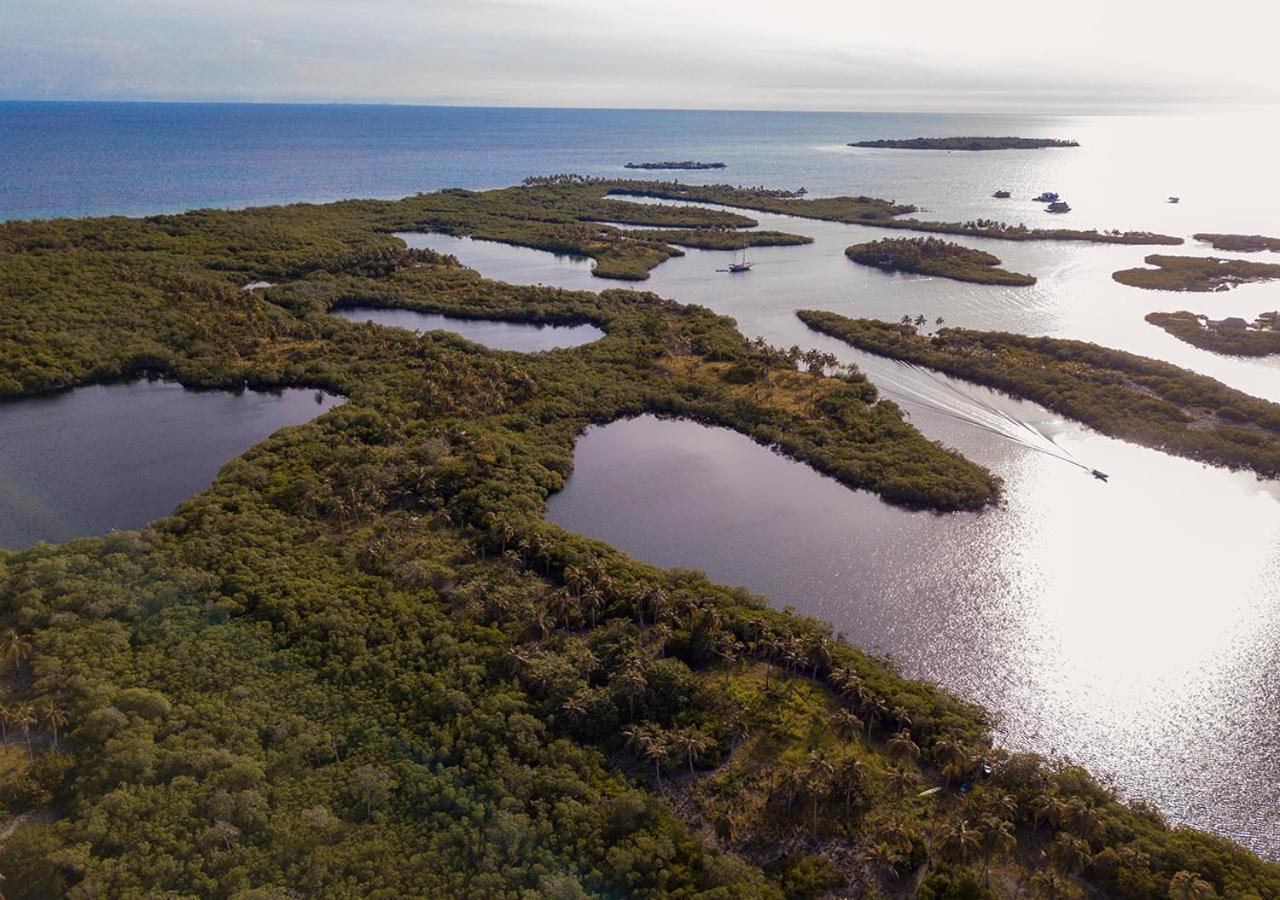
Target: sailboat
point(742, 263)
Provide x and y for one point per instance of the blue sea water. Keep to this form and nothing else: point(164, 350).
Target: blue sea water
point(140, 158)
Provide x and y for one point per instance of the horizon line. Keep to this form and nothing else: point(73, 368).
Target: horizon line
point(413, 104)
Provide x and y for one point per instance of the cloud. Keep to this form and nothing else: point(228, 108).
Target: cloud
point(806, 54)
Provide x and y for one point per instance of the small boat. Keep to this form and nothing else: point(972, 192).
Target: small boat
point(1059, 206)
point(1101, 476)
point(1002, 195)
point(1174, 199)
point(1047, 197)
point(741, 263)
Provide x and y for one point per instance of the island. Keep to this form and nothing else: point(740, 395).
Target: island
point(854, 211)
point(933, 256)
point(671, 164)
point(966, 143)
point(1196, 273)
point(363, 663)
point(1233, 335)
point(1239, 243)
point(1120, 394)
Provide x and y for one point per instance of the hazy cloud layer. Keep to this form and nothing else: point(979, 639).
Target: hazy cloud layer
point(989, 55)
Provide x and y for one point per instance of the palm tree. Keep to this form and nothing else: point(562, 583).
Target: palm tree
point(1047, 808)
point(848, 780)
point(25, 718)
point(655, 748)
point(575, 709)
point(593, 600)
point(962, 841)
point(1069, 852)
point(882, 858)
point(901, 716)
point(902, 779)
point(997, 837)
point(631, 683)
point(819, 654)
point(902, 748)
point(53, 716)
point(1048, 883)
point(6, 716)
point(955, 769)
point(818, 775)
point(846, 723)
point(574, 580)
point(17, 650)
point(691, 743)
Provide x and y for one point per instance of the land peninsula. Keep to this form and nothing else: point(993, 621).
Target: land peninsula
point(1196, 273)
point(853, 211)
point(1120, 394)
point(1230, 336)
point(966, 143)
point(932, 256)
point(363, 664)
point(576, 215)
point(1240, 243)
point(672, 164)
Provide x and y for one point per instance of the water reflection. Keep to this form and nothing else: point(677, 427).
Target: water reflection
point(521, 336)
point(1099, 621)
point(1133, 625)
point(105, 457)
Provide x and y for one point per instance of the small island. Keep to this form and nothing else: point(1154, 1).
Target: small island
point(966, 143)
point(1239, 243)
point(672, 164)
point(1196, 273)
point(1232, 335)
point(933, 256)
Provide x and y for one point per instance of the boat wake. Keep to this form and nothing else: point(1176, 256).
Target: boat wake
point(914, 385)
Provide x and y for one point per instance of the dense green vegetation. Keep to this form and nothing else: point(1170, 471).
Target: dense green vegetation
point(854, 211)
point(363, 665)
point(1120, 394)
point(1189, 327)
point(565, 216)
point(1196, 273)
point(966, 143)
point(675, 164)
point(932, 256)
point(1240, 243)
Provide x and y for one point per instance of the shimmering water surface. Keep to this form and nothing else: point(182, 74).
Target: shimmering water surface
point(93, 459)
point(492, 333)
point(1133, 626)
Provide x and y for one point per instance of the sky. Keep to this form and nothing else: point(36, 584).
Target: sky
point(975, 56)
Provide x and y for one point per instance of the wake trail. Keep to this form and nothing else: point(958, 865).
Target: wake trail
point(943, 397)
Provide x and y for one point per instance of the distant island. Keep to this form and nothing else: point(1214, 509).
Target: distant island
point(1232, 335)
point(670, 164)
point(966, 143)
point(1196, 273)
point(1240, 243)
point(933, 256)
